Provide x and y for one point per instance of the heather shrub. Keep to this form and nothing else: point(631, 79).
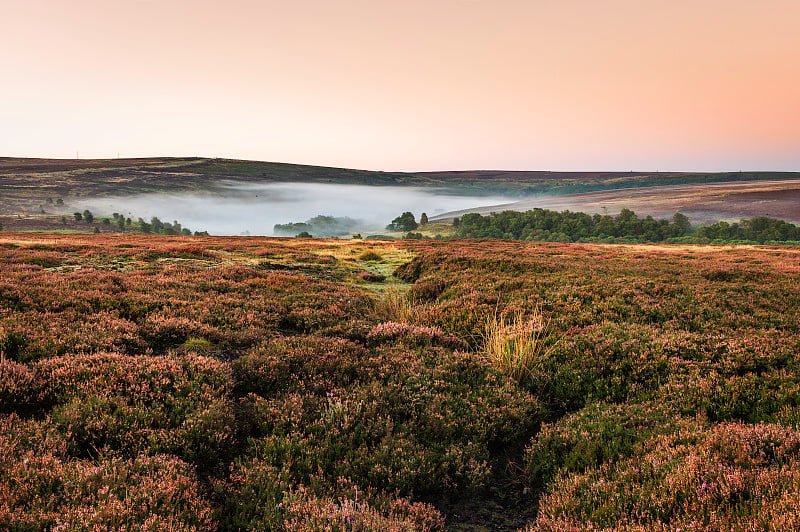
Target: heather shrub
point(371, 277)
point(18, 387)
point(597, 434)
point(136, 405)
point(253, 499)
point(427, 291)
point(12, 343)
point(309, 513)
point(415, 335)
point(427, 428)
point(208, 437)
point(316, 363)
point(179, 252)
point(41, 489)
point(412, 270)
point(263, 499)
point(728, 476)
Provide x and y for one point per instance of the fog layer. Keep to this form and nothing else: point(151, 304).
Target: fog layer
point(239, 208)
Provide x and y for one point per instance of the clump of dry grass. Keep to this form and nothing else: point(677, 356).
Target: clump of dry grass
point(370, 256)
point(393, 305)
point(516, 345)
point(396, 305)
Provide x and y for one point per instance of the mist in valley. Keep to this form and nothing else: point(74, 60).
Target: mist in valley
point(254, 209)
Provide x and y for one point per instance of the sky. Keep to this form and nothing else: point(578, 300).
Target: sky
point(407, 85)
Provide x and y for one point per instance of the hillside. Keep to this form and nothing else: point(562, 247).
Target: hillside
point(702, 203)
point(44, 194)
point(33, 179)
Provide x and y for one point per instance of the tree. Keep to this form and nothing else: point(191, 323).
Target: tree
point(304, 234)
point(423, 219)
point(64, 220)
point(88, 216)
point(405, 222)
point(96, 230)
point(157, 225)
point(682, 222)
point(78, 216)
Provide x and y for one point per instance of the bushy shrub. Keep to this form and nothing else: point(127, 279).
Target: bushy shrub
point(597, 434)
point(371, 277)
point(727, 476)
point(42, 489)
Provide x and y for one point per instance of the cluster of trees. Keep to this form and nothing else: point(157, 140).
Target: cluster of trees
point(406, 222)
point(86, 215)
point(121, 221)
point(322, 226)
point(156, 226)
point(760, 229)
point(566, 226)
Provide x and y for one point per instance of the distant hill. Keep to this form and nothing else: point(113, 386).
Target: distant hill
point(131, 176)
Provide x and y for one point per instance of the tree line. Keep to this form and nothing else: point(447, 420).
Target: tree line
point(566, 226)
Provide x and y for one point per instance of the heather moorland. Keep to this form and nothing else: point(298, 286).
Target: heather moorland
point(208, 383)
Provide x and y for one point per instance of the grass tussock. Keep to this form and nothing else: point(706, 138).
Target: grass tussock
point(516, 344)
point(395, 305)
point(370, 256)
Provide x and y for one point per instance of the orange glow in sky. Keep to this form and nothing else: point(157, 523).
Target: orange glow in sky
point(407, 84)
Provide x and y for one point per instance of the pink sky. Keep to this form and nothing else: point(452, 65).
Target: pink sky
point(407, 84)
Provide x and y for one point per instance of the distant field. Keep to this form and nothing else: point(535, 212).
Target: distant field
point(702, 203)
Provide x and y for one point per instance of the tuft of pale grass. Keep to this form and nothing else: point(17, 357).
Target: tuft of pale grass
point(394, 305)
point(516, 345)
point(370, 256)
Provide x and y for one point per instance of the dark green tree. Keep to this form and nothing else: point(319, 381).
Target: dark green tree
point(680, 220)
point(405, 222)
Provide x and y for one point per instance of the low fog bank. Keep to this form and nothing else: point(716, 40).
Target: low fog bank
point(254, 209)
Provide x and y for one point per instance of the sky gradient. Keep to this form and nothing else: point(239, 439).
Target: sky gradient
point(407, 85)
